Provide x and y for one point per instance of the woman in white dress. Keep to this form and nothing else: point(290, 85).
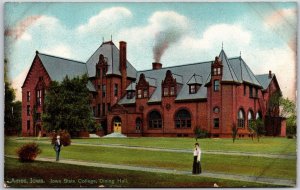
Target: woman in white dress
point(197, 157)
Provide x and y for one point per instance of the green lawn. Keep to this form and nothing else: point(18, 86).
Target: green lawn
point(254, 166)
point(44, 172)
point(266, 145)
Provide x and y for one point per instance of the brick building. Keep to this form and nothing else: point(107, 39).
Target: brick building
point(163, 101)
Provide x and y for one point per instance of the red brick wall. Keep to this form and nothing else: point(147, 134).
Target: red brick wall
point(37, 70)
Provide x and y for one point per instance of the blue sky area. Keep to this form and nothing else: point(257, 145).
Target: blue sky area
point(264, 34)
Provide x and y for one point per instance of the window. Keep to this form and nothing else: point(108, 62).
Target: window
point(98, 110)
point(216, 123)
point(250, 91)
point(28, 96)
point(245, 90)
point(258, 115)
point(99, 87)
point(166, 91)
point(103, 90)
point(103, 72)
point(215, 71)
point(172, 91)
point(28, 110)
point(216, 85)
point(98, 73)
point(108, 106)
point(216, 109)
point(192, 89)
point(139, 93)
point(183, 119)
point(155, 121)
point(116, 90)
point(145, 93)
point(28, 125)
point(103, 109)
point(219, 71)
point(138, 124)
point(256, 92)
point(39, 97)
point(250, 117)
point(241, 119)
point(130, 94)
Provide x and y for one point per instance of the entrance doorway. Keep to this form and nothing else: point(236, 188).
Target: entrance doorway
point(117, 124)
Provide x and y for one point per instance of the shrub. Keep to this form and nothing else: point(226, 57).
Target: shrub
point(65, 137)
point(28, 152)
point(201, 133)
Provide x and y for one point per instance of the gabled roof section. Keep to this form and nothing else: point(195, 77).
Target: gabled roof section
point(228, 72)
point(243, 72)
point(195, 79)
point(265, 80)
point(131, 87)
point(112, 54)
point(58, 67)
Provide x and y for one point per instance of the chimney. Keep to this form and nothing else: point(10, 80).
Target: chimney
point(270, 74)
point(156, 65)
point(122, 67)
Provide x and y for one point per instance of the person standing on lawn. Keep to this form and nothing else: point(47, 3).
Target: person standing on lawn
point(197, 157)
point(57, 146)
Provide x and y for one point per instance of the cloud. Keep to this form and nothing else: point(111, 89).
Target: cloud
point(105, 20)
point(61, 50)
point(18, 82)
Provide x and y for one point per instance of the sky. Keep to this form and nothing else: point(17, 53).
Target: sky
point(264, 34)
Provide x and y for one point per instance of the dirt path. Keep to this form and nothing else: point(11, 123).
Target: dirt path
point(265, 180)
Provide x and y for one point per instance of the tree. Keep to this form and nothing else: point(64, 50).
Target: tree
point(288, 111)
point(13, 108)
point(273, 107)
point(257, 128)
point(200, 133)
point(67, 105)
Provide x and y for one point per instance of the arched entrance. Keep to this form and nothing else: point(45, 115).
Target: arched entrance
point(117, 124)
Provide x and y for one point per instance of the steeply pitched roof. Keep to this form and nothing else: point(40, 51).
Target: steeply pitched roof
point(112, 54)
point(58, 67)
point(264, 80)
point(242, 71)
point(234, 70)
point(228, 73)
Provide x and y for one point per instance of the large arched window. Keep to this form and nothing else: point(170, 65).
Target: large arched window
point(155, 121)
point(250, 117)
point(183, 119)
point(258, 115)
point(241, 118)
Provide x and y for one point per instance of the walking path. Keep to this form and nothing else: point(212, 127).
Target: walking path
point(233, 153)
point(265, 180)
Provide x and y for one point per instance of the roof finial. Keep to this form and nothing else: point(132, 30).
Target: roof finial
point(111, 37)
point(240, 53)
point(222, 45)
point(102, 40)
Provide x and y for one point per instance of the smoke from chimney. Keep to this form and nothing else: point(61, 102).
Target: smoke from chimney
point(17, 31)
point(164, 39)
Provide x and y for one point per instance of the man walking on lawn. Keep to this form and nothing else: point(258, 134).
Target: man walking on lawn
point(57, 146)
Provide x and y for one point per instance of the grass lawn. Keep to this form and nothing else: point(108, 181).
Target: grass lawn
point(271, 145)
point(46, 174)
point(253, 166)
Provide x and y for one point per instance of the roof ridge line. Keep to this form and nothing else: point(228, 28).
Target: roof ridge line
point(62, 58)
point(178, 66)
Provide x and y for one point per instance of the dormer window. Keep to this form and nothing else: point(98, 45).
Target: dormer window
point(142, 87)
point(217, 67)
point(193, 89)
point(169, 85)
point(130, 94)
